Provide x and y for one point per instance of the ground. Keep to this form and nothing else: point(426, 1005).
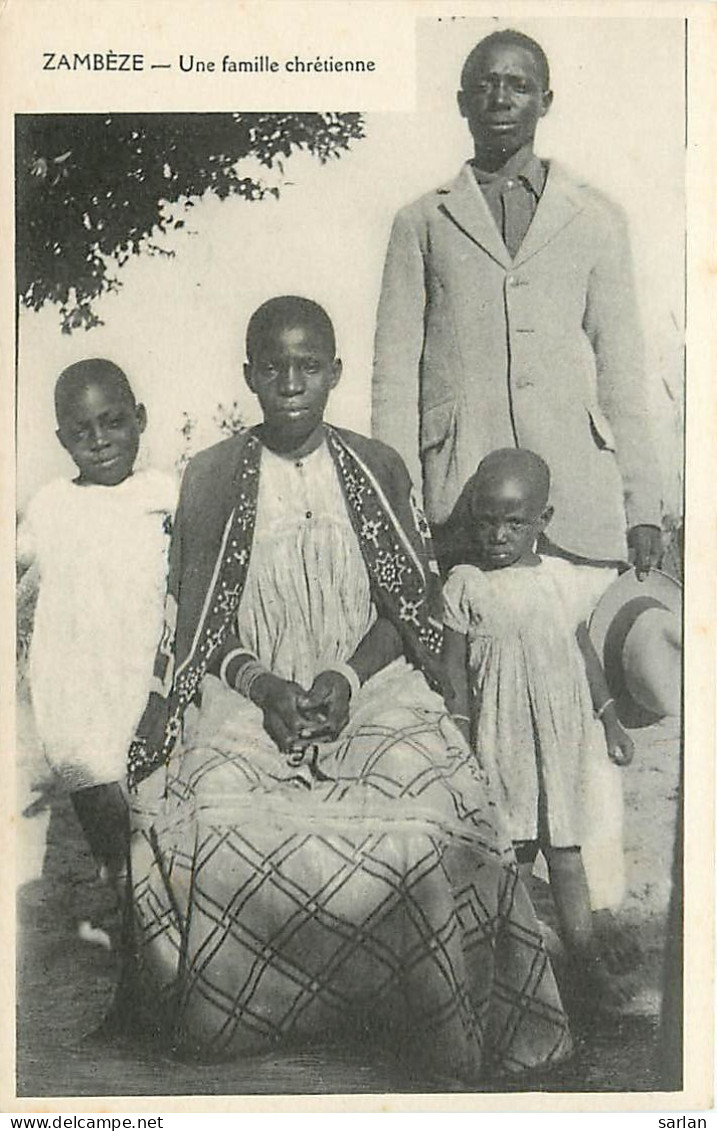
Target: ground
point(65, 985)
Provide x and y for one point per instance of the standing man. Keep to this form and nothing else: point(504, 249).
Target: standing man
point(508, 317)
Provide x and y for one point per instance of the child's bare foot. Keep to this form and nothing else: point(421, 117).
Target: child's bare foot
point(610, 991)
point(94, 935)
point(592, 991)
point(616, 945)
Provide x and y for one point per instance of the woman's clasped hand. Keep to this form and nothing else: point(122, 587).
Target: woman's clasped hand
point(296, 718)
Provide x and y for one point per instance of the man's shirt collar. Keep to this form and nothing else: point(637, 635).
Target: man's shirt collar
point(523, 165)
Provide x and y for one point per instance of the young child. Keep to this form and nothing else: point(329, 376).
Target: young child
point(99, 542)
point(527, 685)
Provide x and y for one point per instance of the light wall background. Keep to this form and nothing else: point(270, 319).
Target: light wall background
point(177, 324)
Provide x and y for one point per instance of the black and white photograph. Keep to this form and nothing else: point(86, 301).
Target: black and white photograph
point(350, 507)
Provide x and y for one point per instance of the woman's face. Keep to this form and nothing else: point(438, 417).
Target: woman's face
point(292, 374)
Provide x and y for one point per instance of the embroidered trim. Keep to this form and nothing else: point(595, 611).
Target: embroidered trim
point(395, 570)
point(218, 612)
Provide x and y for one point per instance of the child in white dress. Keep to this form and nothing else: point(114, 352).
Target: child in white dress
point(99, 542)
point(527, 686)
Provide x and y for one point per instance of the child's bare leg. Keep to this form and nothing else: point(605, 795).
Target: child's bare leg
point(572, 902)
point(572, 899)
point(103, 814)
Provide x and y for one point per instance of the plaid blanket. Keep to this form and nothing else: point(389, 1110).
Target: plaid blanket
point(367, 890)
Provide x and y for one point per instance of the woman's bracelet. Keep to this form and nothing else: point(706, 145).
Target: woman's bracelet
point(230, 658)
point(349, 674)
point(248, 675)
point(601, 710)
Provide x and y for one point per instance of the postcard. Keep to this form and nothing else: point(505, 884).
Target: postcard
point(359, 536)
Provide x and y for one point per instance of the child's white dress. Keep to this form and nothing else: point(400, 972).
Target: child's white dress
point(535, 730)
point(102, 557)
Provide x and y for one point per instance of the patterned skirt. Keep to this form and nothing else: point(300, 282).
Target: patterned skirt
point(368, 891)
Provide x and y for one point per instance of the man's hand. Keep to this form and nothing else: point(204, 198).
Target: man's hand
point(645, 542)
point(327, 705)
point(281, 702)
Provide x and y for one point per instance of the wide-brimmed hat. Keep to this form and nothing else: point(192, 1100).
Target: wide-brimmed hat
point(636, 630)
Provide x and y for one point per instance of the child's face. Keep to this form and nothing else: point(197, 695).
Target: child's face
point(507, 520)
point(292, 374)
point(100, 428)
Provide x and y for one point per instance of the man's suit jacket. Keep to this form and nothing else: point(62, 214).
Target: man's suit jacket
point(476, 351)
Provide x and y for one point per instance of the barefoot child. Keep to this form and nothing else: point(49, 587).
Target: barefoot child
point(527, 683)
point(99, 542)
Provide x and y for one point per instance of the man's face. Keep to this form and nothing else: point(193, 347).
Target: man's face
point(503, 99)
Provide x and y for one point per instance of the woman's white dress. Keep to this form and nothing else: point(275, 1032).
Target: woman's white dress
point(307, 602)
point(101, 553)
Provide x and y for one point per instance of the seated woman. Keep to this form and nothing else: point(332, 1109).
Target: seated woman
point(315, 849)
